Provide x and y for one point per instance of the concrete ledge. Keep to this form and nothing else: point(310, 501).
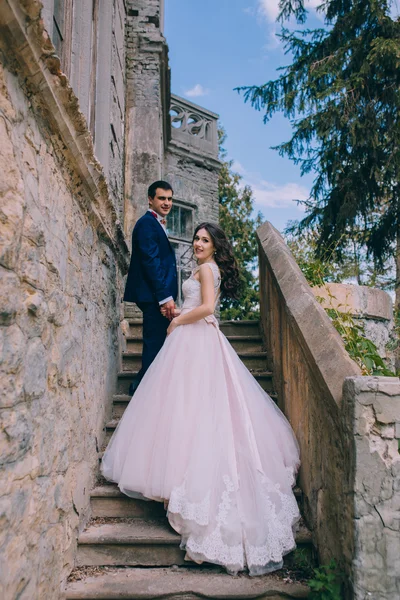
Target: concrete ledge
point(358, 300)
point(320, 340)
point(22, 30)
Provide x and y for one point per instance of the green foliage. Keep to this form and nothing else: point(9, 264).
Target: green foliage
point(351, 263)
point(342, 95)
point(236, 205)
point(303, 246)
point(326, 583)
point(362, 350)
point(318, 272)
point(300, 563)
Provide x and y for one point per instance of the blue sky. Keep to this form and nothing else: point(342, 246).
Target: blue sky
point(215, 46)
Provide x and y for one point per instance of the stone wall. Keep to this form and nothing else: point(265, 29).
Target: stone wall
point(191, 162)
point(61, 264)
point(372, 428)
point(147, 104)
point(194, 183)
point(94, 62)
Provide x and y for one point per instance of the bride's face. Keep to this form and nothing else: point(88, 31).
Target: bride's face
point(203, 246)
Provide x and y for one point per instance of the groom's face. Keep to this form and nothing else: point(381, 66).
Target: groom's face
point(162, 202)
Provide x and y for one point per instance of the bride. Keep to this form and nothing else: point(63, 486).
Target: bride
point(203, 437)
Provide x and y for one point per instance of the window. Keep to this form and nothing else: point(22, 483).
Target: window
point(58, 25)
point(93, 68)
point(180, 222)
point(62, 32)
point(180, 232)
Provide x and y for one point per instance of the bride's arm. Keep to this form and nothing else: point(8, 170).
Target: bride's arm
point(207, 299)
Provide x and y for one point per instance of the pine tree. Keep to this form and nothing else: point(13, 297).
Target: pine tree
point(342, 95)
point(236, 206)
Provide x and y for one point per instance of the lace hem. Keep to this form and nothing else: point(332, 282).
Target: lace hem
point(191, 511)
point(224, 539)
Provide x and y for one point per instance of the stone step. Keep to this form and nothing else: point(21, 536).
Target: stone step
point(132, 361)
point(240, 328)
point(138, 542)
point(121, 401)
point(106, 501)
point(236, 328)
point(179, 583)
point(249, 343)
point(135, 327)
point(263, 377)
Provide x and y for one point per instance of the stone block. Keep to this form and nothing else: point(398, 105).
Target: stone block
point(387, 408)
point(15, 434)
point(36, 367)
point(392, 553)
point(10, 299)
point(11, 213)
point(357, 300)
point(387, 432)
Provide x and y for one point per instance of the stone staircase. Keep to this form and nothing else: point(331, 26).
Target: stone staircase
point(128, 549)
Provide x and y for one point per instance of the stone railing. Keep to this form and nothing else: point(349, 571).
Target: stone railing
point(193, 127)
point(310, 367)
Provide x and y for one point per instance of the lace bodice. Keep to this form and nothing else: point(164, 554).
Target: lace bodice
point(192, 289)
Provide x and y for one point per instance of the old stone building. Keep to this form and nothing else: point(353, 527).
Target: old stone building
point(87, 121)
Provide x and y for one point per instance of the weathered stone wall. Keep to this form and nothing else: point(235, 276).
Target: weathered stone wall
point(61, 263)
point(96, 71)
point(112, 98)
point(371, 407)
point(195, 182)
point(147, 104)
point(191, 162)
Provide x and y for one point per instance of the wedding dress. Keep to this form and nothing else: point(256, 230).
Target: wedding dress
point(201, 433)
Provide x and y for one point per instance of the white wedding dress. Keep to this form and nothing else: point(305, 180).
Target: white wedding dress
point(201, 433)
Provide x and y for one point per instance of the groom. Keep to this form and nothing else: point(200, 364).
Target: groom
point(152, 277)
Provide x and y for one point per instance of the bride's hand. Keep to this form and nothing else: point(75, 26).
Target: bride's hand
point(177, 312)
point(172, 326)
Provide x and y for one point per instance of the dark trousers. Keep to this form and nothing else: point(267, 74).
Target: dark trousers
point(154, 333)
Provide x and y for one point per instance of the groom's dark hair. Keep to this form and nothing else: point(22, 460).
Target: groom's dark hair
point(164, 185)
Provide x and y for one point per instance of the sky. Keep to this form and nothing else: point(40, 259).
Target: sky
point(217, 45)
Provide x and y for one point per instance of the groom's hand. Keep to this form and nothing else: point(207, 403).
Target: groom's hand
point(168, 309)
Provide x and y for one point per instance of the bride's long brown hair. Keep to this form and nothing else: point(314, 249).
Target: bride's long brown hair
point(230, 277)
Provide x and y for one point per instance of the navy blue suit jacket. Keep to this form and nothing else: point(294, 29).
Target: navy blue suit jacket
point(152, 273)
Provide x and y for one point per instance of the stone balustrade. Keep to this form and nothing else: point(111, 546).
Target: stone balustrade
point(193, 127)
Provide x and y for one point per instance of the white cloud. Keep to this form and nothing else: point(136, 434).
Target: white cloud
point(196, 91)
point(273, 195)
point(237, 167)
point(269, 9)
